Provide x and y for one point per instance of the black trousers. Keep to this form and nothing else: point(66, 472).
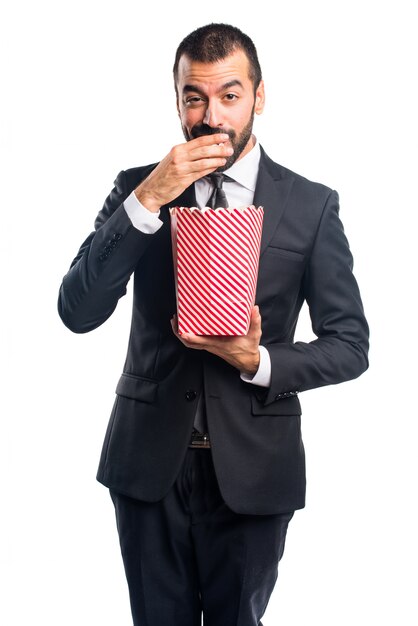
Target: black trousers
point(189, 553)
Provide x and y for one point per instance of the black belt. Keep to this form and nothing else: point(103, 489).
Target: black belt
point(199, 440)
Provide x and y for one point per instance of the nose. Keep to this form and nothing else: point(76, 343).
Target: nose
point(213, 116)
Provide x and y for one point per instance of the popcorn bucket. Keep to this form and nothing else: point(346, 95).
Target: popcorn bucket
point(216, 253)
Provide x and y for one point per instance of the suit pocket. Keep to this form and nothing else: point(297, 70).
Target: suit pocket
point(284, 406)
point(286, 254)
point(137, 388)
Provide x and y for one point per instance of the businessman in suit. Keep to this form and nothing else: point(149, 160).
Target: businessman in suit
point(203, 454)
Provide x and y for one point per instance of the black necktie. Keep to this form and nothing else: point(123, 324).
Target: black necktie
point(218, 197)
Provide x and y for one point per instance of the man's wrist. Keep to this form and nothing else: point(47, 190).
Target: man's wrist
point(147, 199)
point(252, 368)
point(262, 376)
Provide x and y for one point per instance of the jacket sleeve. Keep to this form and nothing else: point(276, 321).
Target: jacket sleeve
point(101, 270)
point(340, 351)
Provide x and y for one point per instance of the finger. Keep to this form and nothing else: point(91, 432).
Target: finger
point(193, 340)
point(180, 337)
point(186, 166)
point(255, 321)
point(208, 140)
point(196, 149)
point(174, 325)
point(192, 175)
point(191, 343)
point(212, 151)
point(204, 166)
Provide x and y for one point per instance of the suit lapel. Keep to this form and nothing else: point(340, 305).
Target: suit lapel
point(271, 193)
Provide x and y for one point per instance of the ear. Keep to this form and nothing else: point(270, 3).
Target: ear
point(259, 98)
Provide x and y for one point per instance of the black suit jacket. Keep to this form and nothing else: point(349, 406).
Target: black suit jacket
point(255, 433)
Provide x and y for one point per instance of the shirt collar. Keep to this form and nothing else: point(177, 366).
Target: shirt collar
point(245, 170)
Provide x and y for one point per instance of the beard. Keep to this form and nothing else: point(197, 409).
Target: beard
point(238, 142)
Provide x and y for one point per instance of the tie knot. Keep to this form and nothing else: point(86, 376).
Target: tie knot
point(218, 197)
point(217, 179)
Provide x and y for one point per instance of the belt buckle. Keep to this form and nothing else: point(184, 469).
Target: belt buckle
point(199, 440)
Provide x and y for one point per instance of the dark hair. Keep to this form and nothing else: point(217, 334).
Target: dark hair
point(215, 42)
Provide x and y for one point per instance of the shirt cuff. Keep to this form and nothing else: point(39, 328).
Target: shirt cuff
point(262, 377)
point(144, 220)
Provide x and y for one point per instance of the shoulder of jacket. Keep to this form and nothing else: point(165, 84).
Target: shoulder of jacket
point(279, 172)
point(134, 175)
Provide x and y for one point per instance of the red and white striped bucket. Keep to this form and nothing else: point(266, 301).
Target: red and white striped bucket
point(216, 253)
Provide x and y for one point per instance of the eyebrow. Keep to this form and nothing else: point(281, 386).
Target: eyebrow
point(228, 85)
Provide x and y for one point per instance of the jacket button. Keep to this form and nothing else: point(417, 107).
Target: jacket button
point(190, 395)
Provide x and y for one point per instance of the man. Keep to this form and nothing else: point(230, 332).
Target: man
point(203, 454)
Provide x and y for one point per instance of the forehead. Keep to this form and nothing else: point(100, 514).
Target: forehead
point(234, 66)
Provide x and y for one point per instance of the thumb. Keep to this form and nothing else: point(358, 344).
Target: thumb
point(255, 323)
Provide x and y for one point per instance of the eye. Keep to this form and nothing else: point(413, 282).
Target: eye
point(231, 97)
point(193, 101)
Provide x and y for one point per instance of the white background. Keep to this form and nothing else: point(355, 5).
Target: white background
point(89, 92)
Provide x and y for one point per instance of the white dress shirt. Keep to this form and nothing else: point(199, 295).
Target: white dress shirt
point(240, 192)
